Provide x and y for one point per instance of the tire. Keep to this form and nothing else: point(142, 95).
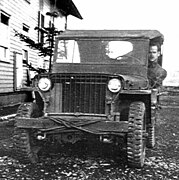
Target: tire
point(28, 110)
point(135, 137)
point(23, 142)
point(151, 136)
point(25, 151)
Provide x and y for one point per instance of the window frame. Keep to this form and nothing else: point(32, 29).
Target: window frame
point(4, 26)
point(25, 27)
point(41, 25)
point(25, 56)
point(5, 55)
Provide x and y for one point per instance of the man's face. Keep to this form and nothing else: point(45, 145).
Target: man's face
point(153, 53)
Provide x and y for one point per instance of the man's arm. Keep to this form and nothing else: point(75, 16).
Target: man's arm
point(160, 78)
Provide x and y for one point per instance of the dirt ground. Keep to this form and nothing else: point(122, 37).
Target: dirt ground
point(162, 162)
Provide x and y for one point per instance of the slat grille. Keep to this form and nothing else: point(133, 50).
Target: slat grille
point(82, 93)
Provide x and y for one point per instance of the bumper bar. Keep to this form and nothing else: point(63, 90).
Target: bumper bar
point(95, 126)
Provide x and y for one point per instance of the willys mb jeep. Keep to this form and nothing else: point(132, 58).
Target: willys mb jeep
point(97, 88)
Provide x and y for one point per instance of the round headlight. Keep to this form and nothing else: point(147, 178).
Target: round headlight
point(114, 85)
point(44, 84)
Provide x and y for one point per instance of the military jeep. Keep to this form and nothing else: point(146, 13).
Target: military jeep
point(97, 89)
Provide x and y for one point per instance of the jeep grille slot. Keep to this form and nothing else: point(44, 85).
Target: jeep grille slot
point(80, 93)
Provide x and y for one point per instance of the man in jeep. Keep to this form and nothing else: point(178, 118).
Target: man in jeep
point(156, 73)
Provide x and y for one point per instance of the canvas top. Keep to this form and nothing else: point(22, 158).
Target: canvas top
point(149, 34)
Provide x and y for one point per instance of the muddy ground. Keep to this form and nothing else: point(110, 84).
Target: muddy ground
point(100, 162)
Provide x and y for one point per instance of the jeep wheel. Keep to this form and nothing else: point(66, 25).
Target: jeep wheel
point(25, 150)
point(135, 137)
point(151, 136)
point(29, 110)
point(24, 145)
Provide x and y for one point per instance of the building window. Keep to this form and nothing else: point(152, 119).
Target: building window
point(4, 36)
point(3, 53)
point(41, 24)
point(25, 56)
point(4, 19)
point(25, 28)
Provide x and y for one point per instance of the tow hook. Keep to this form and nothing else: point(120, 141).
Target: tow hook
point(41, 136)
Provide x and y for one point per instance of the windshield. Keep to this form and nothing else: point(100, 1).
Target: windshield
point(101, 51)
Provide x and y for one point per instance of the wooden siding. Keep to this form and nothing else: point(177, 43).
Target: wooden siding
point(20, 12)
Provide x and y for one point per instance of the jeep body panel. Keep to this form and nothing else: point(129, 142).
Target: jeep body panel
point(72, 80)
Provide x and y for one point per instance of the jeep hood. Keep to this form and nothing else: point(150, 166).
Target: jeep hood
point(134, 76)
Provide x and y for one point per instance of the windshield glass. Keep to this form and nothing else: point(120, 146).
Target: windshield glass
point(101, 52)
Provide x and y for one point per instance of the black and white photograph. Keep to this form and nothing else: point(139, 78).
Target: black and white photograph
point(89, 90)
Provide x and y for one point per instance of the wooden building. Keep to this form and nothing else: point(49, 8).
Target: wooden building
point(23, 16)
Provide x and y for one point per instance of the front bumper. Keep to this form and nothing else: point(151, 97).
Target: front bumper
point(98, 125)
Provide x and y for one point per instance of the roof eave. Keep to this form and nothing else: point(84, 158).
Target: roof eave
point(67, 7)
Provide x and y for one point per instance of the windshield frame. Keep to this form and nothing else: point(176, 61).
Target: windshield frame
point(141, 42)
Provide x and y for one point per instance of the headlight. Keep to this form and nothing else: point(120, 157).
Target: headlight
point(114, 85)
point(44, 84)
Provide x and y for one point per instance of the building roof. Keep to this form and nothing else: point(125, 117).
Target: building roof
point(67, 7)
